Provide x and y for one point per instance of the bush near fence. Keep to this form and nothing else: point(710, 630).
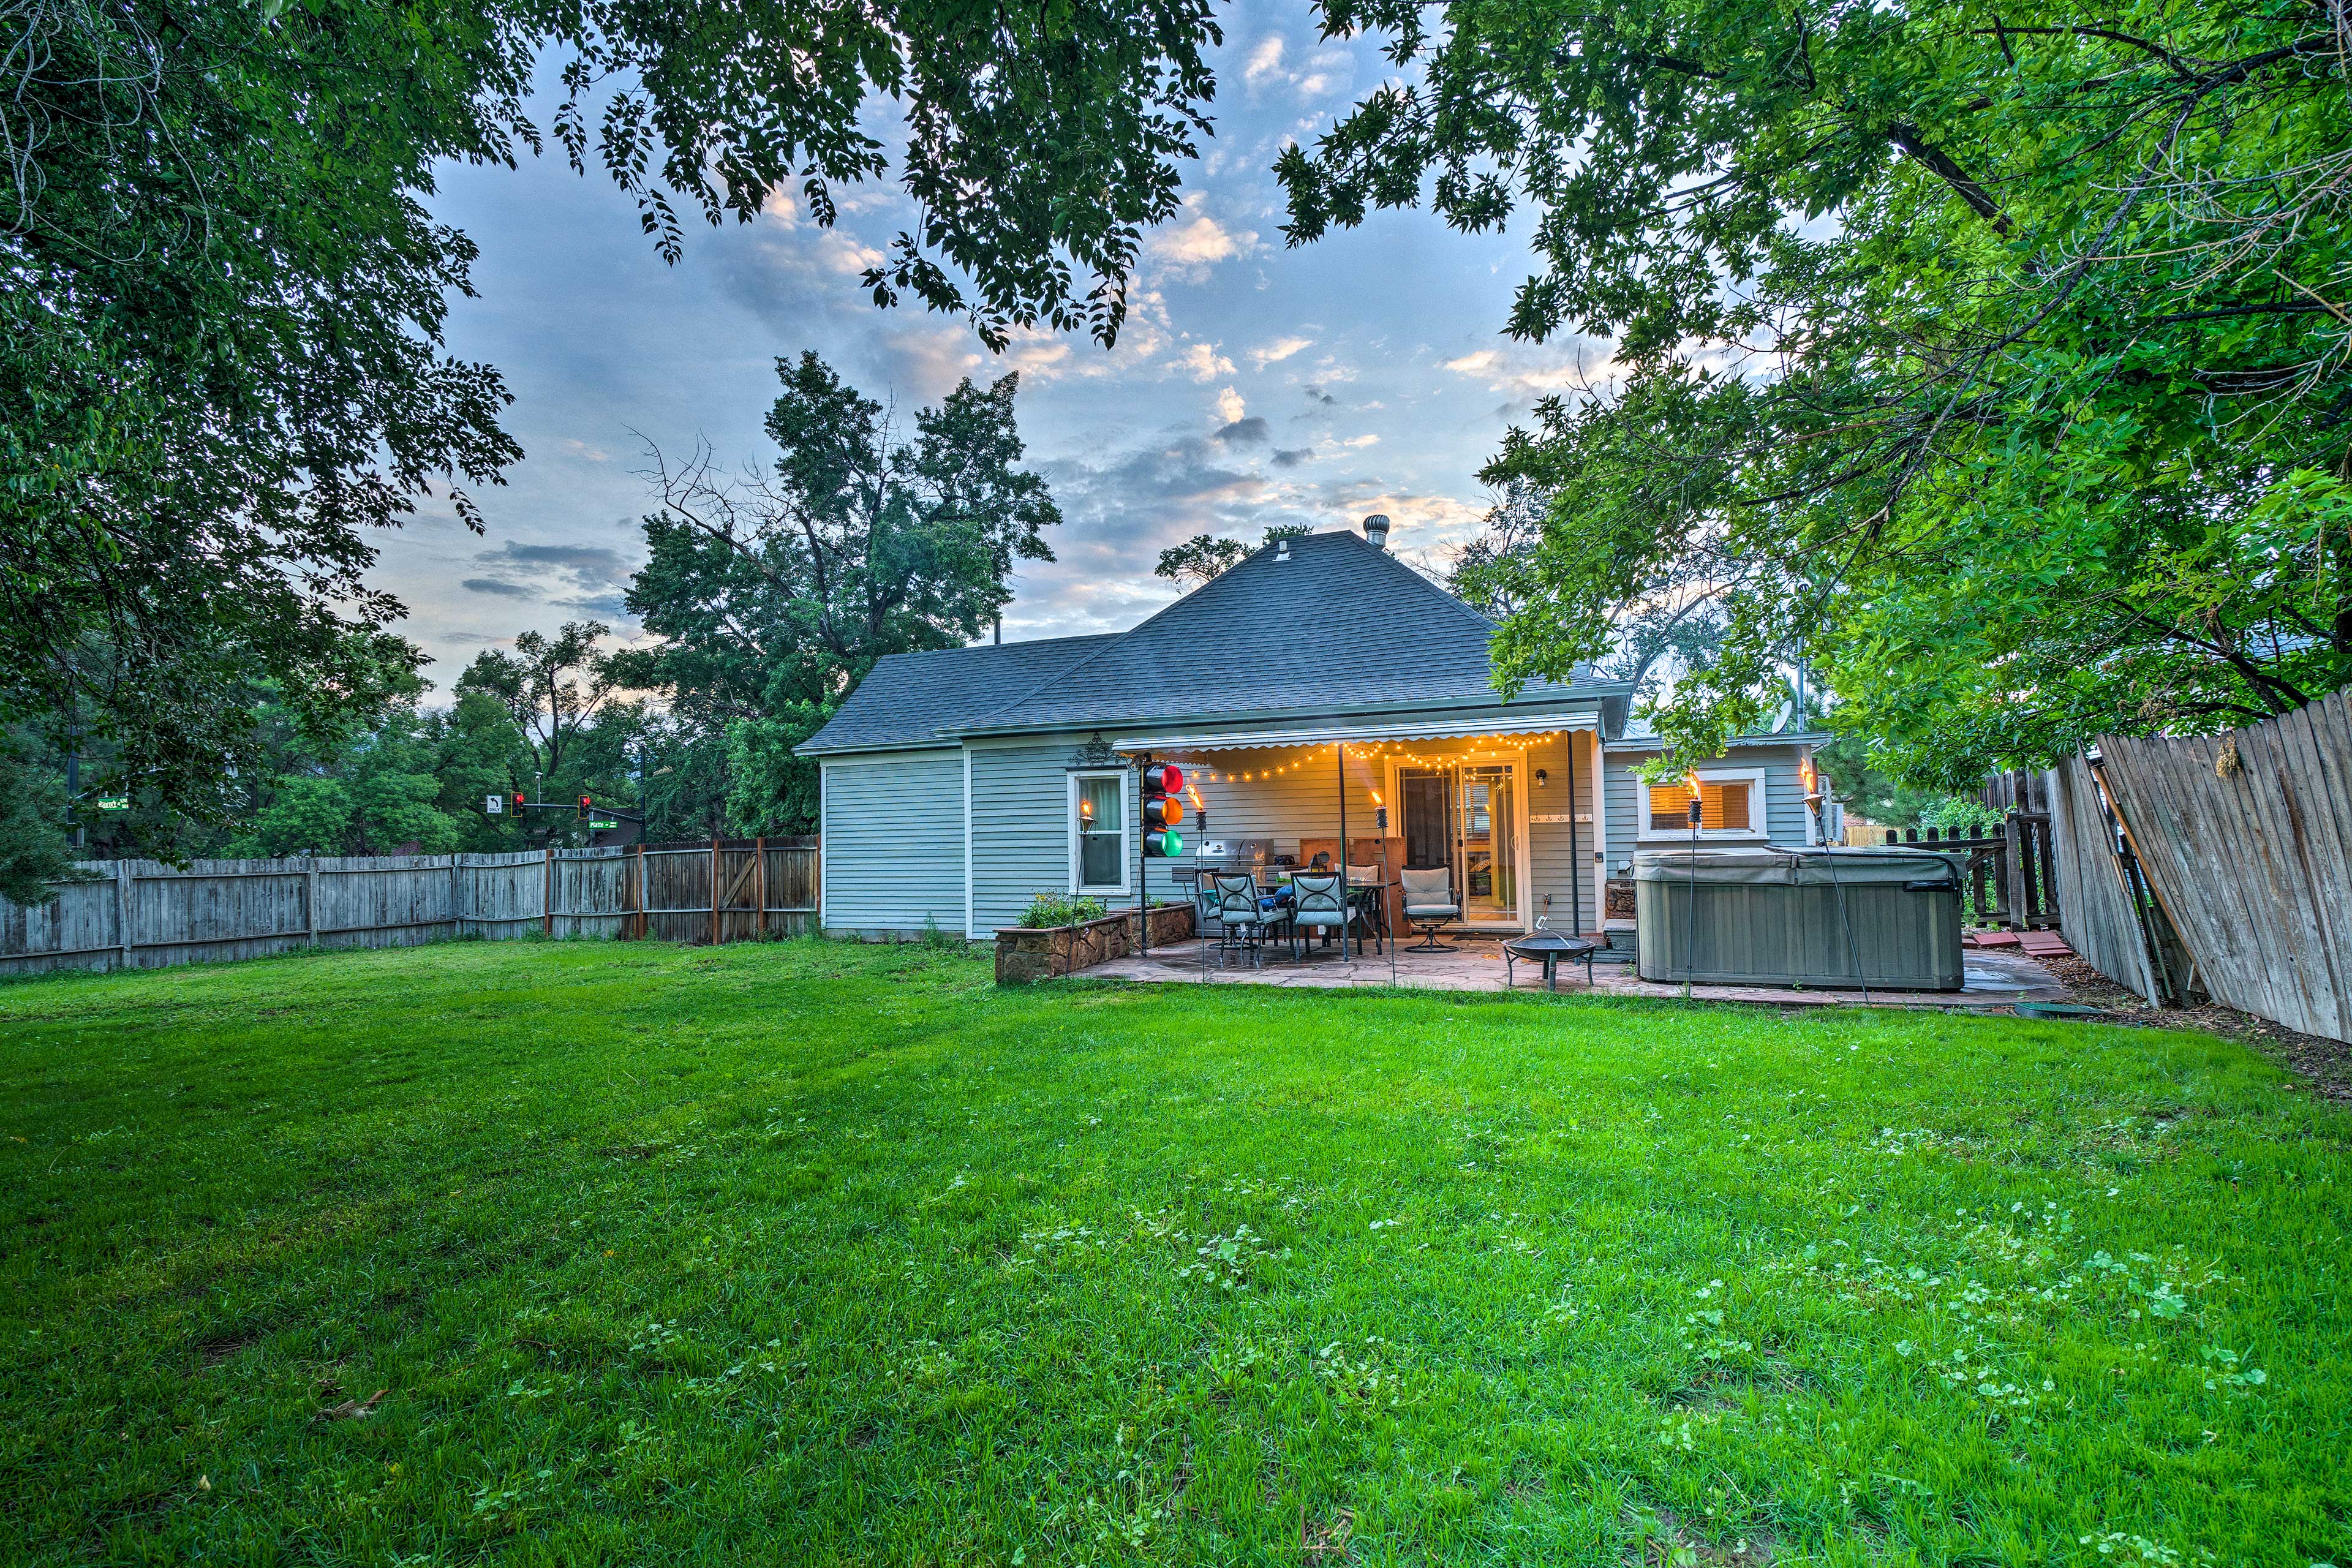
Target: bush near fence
point(144, 915)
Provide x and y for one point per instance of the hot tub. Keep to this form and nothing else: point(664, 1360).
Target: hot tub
point(1774, 916)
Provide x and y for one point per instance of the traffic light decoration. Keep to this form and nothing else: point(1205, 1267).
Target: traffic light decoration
point(584, 808)
point(518, 803)
point(1163, 809)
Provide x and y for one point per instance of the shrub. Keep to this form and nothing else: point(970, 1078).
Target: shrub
point(1061, 910)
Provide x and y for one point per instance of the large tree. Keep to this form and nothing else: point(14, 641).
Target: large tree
point(774, 593)
point(1993, 358)
point(222, 299)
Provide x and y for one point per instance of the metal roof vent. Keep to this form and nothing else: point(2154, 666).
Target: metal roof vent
point(1281, 548)
point(1376, 530)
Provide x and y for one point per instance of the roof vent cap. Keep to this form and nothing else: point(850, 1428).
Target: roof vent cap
point(1281, 548)
point(1376, 530)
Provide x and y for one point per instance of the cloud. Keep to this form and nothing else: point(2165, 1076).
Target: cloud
point(1230, 406)
point(1317, 395)
point(1524, 374)
point(1325, 70)
point(843, 254)
point(1361, 441)
point(1246, 433)
point(1201, 361)
point(589, 562)
point(584, 577)
point(579, 448)
point(1191, 245)
point(1280, 349)
point(1291, 457)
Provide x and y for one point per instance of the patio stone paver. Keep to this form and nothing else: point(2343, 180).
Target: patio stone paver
point(1994, 979)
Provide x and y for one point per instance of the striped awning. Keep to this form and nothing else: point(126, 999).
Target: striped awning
point(1361, 731)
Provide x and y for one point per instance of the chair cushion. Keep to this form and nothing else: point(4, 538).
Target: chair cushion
point(1432, 911)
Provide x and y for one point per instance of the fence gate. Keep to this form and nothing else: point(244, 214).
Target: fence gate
point(727, 889)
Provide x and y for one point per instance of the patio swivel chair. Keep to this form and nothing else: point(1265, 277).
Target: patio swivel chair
point(1247, 922)
point(1430, 906)
point(1318, 904)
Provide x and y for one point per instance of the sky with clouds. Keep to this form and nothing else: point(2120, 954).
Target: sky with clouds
point(1254, 383)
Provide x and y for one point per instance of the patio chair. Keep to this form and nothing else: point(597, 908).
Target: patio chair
point(1320, 906)
point(1247, 921)
point(1429, 906)
point(1204, 899)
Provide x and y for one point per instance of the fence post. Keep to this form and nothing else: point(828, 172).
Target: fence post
point(455, 929)
point(641, 891)
point(547, 893)
point(714, 890)
point(311, 898)
point(760, 847)
point(122, 909)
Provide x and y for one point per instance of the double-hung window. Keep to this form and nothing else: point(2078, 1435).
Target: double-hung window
point(1730, 806)
point(1099, 848)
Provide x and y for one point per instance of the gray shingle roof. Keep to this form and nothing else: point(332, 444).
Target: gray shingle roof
point(1338, 626)
point(908, 698)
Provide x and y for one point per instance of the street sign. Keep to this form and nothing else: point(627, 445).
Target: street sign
point(601, 823)
point(494, 805)
point(114, 803)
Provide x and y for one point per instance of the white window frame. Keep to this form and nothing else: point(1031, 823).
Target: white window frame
point(1758, 828)
point(1126, 830)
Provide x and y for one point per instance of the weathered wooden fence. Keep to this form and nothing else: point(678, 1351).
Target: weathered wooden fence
point(145, 914)
point(2008, 874)
point(2246, 842)
point(2106, 904)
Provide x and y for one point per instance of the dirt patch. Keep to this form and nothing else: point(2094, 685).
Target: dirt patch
point(2323, 1064)
point(1659, 1537)
point(221, 1349)
point(1326, 1540)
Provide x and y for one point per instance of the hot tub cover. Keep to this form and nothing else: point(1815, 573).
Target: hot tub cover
point(1804, 868)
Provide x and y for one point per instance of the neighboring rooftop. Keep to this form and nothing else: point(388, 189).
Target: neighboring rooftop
point(1330, 624)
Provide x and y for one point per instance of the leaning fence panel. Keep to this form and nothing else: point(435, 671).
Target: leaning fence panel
point(2246, 841)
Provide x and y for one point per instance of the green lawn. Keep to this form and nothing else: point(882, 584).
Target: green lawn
point(815, 1253)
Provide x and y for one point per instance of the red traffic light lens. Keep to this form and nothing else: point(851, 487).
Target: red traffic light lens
point(1162, 778)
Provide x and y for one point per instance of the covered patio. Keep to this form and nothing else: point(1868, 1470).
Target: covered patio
point(1503, 812)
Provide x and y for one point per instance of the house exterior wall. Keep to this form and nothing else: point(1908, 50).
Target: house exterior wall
point(1784, 799)
point(1559, 854)
point(1021, 825)
point(893, 845)
point(895, 840)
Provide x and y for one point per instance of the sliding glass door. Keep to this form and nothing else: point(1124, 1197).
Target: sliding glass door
point(1487, 842)
point(1465, 817)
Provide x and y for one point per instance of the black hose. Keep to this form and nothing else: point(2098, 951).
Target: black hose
point(1853, 954)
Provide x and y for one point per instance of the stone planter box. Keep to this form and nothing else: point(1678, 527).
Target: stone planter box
point(1025, 954)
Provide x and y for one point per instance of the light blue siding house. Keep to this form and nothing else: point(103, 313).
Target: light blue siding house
point(1320, 694)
